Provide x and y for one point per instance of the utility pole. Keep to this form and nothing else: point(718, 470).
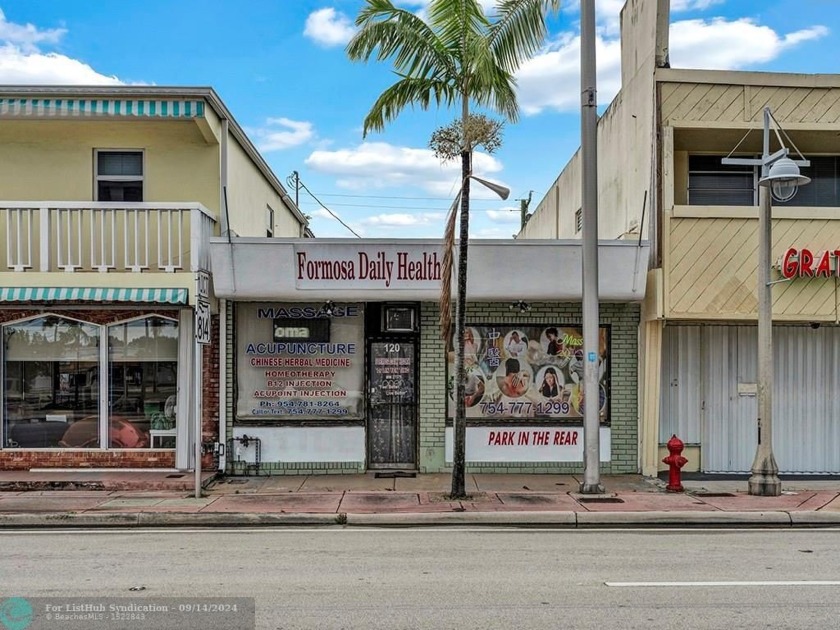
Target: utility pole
point(294, 180)
point(523, 210)
point(589, 207)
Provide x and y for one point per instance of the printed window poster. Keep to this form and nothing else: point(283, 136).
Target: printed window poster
point(287, 369)
point(527, 372)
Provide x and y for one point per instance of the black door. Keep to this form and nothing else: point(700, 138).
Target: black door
point(392, 403)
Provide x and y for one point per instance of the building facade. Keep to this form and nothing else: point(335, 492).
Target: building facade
point(335, 361)
point(697, 368)
point(110, 328)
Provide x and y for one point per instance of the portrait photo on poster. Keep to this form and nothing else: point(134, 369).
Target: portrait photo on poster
point(516, 371)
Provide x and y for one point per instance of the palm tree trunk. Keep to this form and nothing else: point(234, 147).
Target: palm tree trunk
point(459, 428)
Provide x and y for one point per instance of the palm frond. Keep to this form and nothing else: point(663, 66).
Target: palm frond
point(453, 21)
point(389, 32)
point(520, 30)
point(447, 264)
point(489, 84)
point(407, 91)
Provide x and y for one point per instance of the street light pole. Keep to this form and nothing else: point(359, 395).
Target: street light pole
point(780, 178)
point(764, 480)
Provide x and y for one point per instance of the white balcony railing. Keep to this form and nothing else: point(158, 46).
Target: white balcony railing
point(102, 237)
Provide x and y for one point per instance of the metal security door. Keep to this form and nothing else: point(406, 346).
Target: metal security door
point(392, 404)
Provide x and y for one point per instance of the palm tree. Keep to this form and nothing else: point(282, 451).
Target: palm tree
point(457, 56)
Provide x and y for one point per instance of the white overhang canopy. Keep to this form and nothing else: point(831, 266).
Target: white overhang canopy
point(271, 269)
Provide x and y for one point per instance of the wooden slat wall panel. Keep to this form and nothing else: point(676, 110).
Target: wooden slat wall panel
point(726, 103)
point(711, 269)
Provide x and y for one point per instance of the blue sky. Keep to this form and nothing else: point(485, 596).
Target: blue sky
point(281, 68)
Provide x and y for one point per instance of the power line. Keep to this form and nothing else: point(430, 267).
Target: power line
point(333, 214)
point(449, 199)
point(422, 208)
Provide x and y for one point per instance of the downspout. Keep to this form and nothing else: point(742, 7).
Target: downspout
point(223, 374)
point(223, 180)
point(222, 384)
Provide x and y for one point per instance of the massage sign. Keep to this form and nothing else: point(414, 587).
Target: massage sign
point(296, 363)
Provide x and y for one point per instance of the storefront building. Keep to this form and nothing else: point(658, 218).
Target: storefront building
point(109, 327)
point(661, 177)
point(334, 362)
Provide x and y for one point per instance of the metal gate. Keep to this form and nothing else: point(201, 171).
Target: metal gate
point(392, 404)
point(709, 395)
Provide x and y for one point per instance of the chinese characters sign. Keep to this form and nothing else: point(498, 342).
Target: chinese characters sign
point(527, 372)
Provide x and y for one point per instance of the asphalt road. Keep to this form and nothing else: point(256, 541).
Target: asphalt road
point(440, 578)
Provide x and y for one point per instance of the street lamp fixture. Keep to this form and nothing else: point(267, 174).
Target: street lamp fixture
point(780, 179)
point(784, 179)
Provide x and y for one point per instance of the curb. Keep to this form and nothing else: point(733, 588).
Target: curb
point(162, 519)
point(554, 520)
point(560, 520)
point(699, 518)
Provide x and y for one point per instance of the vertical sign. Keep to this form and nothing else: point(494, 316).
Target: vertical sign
point(202, 307)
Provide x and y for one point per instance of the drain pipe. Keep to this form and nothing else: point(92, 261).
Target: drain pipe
point(223, 375)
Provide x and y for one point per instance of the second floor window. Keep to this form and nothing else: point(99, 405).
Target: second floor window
point(823, 191)
point(711, 183)
point(119, 176)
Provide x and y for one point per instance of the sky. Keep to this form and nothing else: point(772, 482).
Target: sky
point(281, 68)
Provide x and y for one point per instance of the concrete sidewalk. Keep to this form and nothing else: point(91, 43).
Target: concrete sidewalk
point(513, 500)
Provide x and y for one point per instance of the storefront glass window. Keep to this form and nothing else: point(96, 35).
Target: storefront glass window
point(51, 384)
point(143, 370)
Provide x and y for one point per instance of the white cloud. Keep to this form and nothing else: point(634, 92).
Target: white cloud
point(320, 213)
point(720, 44)
point(373, 165)
point(22, 62)
point(508, 215)
point(27, 36)
point(20, 67)
point(281, 133)
point(404, 219)
point(551, 80)
point(329, 27)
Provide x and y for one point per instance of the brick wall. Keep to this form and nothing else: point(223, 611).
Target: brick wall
point(623, 320)
point(18, 459)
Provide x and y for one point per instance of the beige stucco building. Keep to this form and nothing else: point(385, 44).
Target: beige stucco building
point(108, 199)
point(660, 145)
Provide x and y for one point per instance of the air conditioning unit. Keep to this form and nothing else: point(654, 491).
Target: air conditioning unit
point(399, 319)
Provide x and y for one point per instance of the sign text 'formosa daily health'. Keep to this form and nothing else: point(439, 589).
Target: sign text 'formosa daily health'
point(385, 268)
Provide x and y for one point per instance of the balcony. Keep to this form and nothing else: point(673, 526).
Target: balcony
point(96, 237)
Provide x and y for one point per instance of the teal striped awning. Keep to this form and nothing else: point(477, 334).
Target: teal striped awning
point(97, 107)
point(91, 294)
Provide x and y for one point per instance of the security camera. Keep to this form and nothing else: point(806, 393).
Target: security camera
point(815, 325)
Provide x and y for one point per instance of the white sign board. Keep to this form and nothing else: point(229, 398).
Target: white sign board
point(556, 443)
point(202, 322)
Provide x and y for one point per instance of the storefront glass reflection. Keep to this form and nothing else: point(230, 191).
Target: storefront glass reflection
point(143, 370)
point(51, 385)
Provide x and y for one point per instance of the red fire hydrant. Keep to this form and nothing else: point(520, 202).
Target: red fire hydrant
point(675, 461)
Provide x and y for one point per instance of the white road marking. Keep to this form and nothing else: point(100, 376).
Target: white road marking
point(746, 583)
